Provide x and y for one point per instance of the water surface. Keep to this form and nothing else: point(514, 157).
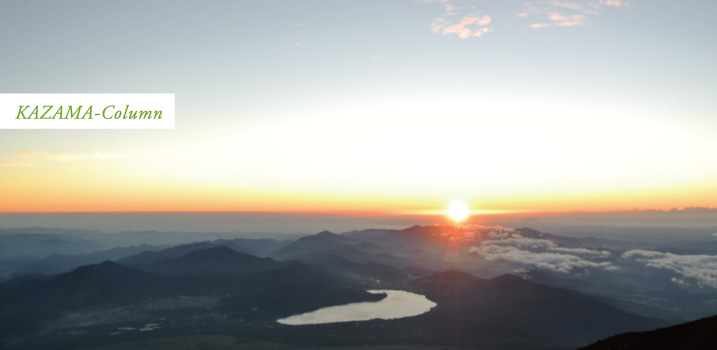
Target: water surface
point(397, 304)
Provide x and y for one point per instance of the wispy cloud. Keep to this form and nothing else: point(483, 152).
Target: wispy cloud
point(616, 3)
point(555, 13)
point(467, 27)
point(470, 24)
point(701, 269)
point(542, 253)
point(464, 21)
point(9, 164)
point(64, 157)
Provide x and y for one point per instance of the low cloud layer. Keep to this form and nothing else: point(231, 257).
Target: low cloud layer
point(700, 269)
point(541, 253)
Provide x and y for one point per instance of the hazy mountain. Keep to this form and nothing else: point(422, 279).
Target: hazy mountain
point(56, 263)
point(213, 262)
point(698, 335)
point(257, 247)
point(321, 242)
point(372, 274)
point(148, 257)
point(356, 255)
point(40, 242)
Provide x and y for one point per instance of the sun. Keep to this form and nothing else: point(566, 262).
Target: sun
point(458, 211)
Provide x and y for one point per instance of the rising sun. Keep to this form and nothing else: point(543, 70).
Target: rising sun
point(458, 211)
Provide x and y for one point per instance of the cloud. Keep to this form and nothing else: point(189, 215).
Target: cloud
point(469, 26)
point(566, 21)
point(701, 269)
point(9, 164)
point(558, 262)
point(554, 13)
point(567, 5)
point(542, 253)
point(615, 3)
point(64, 157)
point(583, 251)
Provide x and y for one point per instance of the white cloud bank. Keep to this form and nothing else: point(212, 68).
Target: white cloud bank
point(541, 253)
point(701, 269)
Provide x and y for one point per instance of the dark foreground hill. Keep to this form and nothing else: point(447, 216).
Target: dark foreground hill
point(513, 308)
point(697, 335)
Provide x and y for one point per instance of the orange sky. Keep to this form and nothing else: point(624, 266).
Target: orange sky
point(402, 108)
point(31, 189)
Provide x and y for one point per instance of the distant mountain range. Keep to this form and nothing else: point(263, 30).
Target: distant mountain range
point(240, 287)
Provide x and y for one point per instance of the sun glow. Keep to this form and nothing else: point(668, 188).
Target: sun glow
point(458, 211)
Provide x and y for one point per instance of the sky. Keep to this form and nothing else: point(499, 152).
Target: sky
point(361, 106)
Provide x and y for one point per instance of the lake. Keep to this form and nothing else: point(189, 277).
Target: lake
point(397, 304)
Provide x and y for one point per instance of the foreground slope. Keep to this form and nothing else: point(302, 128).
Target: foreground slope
point(697, 335)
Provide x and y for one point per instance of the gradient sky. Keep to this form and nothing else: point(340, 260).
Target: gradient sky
point(369, 106)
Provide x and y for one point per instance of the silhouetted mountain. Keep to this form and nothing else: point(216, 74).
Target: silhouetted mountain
point(22, 278)
point(101, 284)
point(513, 308)
point(148, 257)
point(412, 237)
point(367, 234)
point(698, 335)
point(39, 242)
point(293, 273)
point(213, 262)
point(505, 312)
point(321, 242)
point(28, 305)
point(57, 263)
point(351, 253)
point(256, 247)
point(372, 274)
point(542, 277)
